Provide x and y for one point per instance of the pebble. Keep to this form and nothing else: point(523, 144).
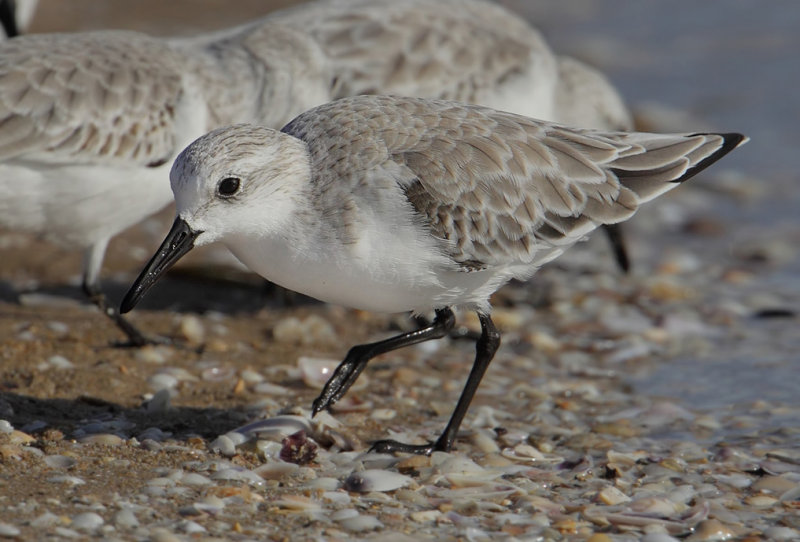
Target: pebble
point(59, 328)
point(361, 523)
point(88, 521)
point(65, 479)
point(153, 354)
point(711, 530)
point(782, 533)
point(612, 496)
point(383, 414)
point(251, 377)
point(324, 483)
point(153, 434)
point(216, 372)
point(65, 532)
point(774, 484)
point(60, 461)
point(160, 534)
point(485, 441)
point(60, 362)
point(658, 537)
point(239, 475)
point(312, 330)
point(425, 516)
point(192, 527)
point(195, 479)
point(375, 480)
point(317, 371)
point(9, 531)
point(301, 503)
point(211, 504)
point(761, 501)
point(268, 388)
point(191, 328)
point(47, 519)
point(126, 519)
point(103, 439)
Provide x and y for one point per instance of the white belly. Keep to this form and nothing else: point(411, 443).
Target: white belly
point(384, 271)
point(79, 205)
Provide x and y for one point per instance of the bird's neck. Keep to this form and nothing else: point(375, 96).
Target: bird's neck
point(261, 73)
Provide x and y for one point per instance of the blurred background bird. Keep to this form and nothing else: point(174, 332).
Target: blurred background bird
point(90, 122)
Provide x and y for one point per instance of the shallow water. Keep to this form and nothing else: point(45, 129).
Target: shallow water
point(731, 64)
point(732, 67)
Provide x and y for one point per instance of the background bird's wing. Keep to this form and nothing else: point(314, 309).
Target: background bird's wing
point(96, 97)
point(445, 49)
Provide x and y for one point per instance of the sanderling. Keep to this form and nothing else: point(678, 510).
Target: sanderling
point(401, 204)
point(90, 122)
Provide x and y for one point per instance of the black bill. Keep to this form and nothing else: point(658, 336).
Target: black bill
point(179, 241)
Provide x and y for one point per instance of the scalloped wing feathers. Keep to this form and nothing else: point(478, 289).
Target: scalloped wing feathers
point(95, 96)
point(498, 188)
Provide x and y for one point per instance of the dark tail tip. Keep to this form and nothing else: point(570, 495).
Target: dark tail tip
point(729, 142)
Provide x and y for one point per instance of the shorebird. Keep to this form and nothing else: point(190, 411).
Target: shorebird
point(403, 204)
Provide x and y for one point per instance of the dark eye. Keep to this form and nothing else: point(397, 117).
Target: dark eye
point(228, 187)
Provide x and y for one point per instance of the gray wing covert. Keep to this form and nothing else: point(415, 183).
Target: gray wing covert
point(501, 188)
point(100, 96)
point(445, 49)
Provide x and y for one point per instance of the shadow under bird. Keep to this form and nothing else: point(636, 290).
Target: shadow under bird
point(404, 204)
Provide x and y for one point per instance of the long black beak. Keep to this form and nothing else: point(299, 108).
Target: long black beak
point(179, 241)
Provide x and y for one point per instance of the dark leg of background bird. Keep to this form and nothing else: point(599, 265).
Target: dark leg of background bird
point(279, 294)
point(617, 240)
point(135, 337)
point(8, 17)
point(485, 349)
point(357, 358)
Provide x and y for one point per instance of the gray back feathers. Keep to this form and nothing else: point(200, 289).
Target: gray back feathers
point(499, 188)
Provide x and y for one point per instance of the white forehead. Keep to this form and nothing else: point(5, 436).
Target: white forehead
point(226, 151)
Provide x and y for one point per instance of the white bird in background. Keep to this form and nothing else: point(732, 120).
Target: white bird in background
point(90, 122)
point(401, 204)
point(471, 51)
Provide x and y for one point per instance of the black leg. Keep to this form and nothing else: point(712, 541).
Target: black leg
point(457, 333)
point(357, 358)
point(485, 348)
point(8, 18)
point(135, 337)
point(617, 240)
